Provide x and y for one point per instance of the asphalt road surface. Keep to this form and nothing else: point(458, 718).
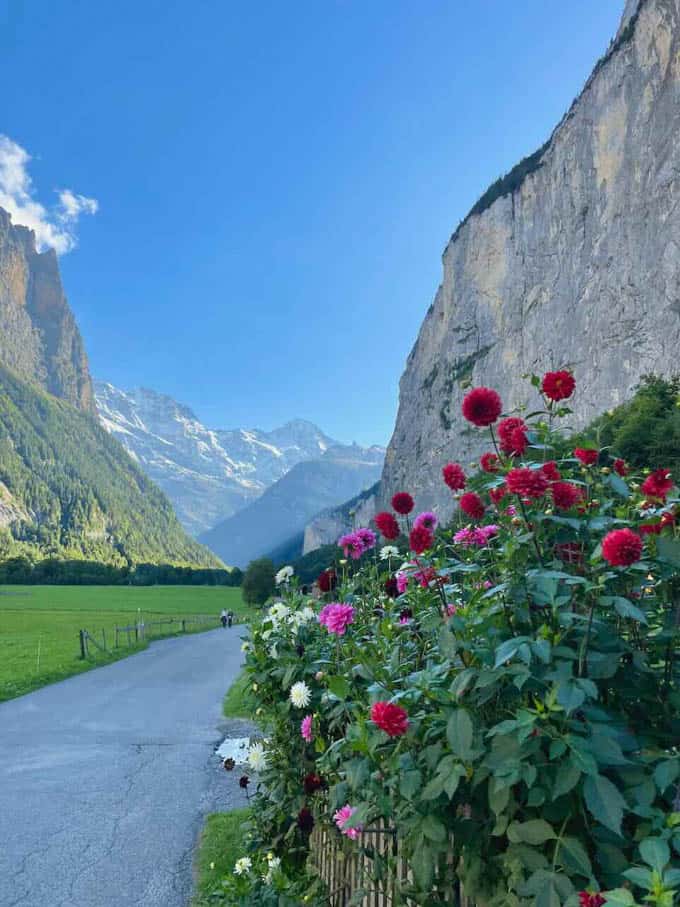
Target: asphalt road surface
point(105, 778)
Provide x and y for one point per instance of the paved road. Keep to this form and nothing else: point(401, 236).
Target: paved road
point(105, 778)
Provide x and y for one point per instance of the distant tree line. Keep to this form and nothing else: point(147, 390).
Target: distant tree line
point(55, 571)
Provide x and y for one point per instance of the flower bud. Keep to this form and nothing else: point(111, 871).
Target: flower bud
point(319, 675)
point(605, 470)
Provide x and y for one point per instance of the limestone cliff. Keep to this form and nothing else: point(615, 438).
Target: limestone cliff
point(39, 339)
point(573, 258)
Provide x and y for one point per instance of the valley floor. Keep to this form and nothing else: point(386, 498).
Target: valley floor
point(105, 778)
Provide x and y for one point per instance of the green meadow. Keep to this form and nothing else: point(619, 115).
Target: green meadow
point(39, 625)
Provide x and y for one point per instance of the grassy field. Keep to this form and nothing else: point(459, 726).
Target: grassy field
point(39, 625)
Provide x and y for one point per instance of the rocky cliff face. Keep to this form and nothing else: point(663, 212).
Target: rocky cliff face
point(571, 259)
point(327, 527)
point(39, 339)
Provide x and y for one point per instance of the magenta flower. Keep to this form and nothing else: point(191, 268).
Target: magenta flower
point(306, 728)
point(367, 537)
point(451, 609)
point(352, 545)
point(402, 582)
point(342, 817)
point(336, 617)
point(427, 520)
point(477, 537)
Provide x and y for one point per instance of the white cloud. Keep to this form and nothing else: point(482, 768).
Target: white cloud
point(54, 228)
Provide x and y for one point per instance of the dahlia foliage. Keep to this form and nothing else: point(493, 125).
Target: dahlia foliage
point(504, 695)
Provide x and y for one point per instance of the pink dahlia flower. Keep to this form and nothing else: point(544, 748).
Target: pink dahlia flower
point(336, 617)
point(341, 819)
point(306, 728)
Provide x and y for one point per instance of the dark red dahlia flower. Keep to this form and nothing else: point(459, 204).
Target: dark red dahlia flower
point(558, 385)
point(312, 783)
point(506, 427)
point(657, 484)
point(243, 782)
point(391, 587)
point(489, 462)
point(389, 718)
point(650, 529)
point(454, 476)
point(517, 442)
point(387, 525)
point(482, 406)
point(402, 502)
point(327, 580)
point(473, 505)
point(586, 455)
point(620, 467)
point(305, 820)
point(550, 471)
point(565, 495)
point(622, 547)
point(420, 539)
point(527, 483)
point(229, 764)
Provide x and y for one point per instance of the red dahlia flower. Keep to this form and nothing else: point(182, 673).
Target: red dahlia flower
point(387, 525)
point(391, 587)
point(312, 783)
point(403, 503)
point(558, 385)
point(620, 467)
point(489, 462)
point(622, 547)
point(527, 483)
point(565, 495)
point(473, 505)
point(482, 406)
point(420, 539)
point(454, 476)
point(586, 455)
point(505, 429)
point(650, 529)
point(327, 580)
point(550, 471)
point(498, 493)
point(389, 718)
point(658, 484)
point(586, 899)
point(517, 442)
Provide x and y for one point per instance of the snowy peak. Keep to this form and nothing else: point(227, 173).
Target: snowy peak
point(208, 474)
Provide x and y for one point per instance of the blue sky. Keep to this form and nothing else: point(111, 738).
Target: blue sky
point(276, 181)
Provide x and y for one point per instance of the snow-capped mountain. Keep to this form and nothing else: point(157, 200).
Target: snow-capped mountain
point(207, 474)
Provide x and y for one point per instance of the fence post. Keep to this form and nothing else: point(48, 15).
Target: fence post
point(104, 637)
point(128, 636)
point(116, 646)
point(82, 643)
point(184, 626)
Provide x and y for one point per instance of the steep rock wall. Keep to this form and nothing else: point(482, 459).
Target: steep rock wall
point(572, 259)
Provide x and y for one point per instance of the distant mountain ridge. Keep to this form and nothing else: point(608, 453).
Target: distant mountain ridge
point(208, 474)
point(283, 510)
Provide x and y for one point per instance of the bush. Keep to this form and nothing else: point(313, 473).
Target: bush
point(506, 702)
point(258, 581)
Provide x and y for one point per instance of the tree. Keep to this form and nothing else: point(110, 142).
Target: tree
point(258, 581)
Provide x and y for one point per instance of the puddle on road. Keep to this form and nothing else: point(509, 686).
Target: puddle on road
point(235, 748)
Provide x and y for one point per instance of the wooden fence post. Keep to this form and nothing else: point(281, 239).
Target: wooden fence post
point(82, 643)
point(104, 637)
point(184, 626)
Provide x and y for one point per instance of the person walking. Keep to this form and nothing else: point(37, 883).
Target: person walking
point(224, 617)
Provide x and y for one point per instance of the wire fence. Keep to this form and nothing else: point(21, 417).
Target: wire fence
point(135, 634)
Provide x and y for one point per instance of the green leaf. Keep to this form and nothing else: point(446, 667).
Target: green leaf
point(499, 797)
point(655, 852)
point(548, 896)
point(433, 788)
point(422, 863)
point(618, 485)
point(570, 696)
point(433, 829)
point(339, 687)
point(535, 831)
point(459, 733)
point(665, 773)
point(623, 607)
point(604, 801)
point(508, 649)
point(639, 876)
point(619, 897)
point(410, 783)
point(567, 778)
point(668, 549)
point(576, 856)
